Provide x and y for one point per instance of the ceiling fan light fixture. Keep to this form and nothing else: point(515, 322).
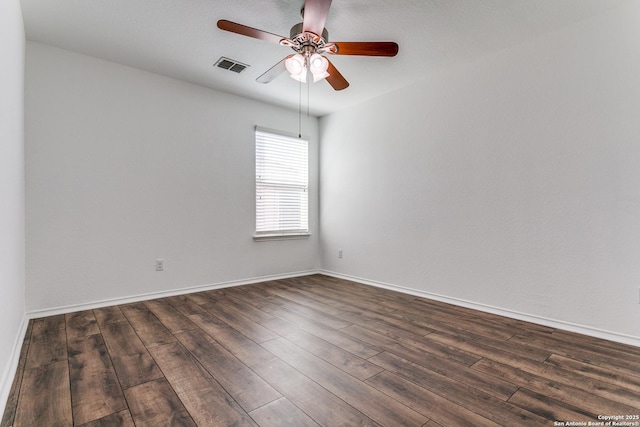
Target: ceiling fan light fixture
point(296, 66)
point(302, 77)
point(318, 63)
point(319, 76)
point(318, 66)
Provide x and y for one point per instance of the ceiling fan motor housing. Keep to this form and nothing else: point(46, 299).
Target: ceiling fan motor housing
point(307, 43)
point(297, 30)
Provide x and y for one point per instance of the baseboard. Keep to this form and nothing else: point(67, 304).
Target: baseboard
point(553, 323)
point(10, 370)
point(34, 314)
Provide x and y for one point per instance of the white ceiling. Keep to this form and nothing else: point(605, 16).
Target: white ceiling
point(179, 38)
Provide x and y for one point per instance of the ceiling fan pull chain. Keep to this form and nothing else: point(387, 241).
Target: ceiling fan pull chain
point(308, 98)
point(300, 109)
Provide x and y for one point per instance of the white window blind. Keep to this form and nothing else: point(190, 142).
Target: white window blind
point(282, 184)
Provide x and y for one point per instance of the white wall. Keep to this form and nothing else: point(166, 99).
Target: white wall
point(12, 257)
point(124, 167)
point(511, 182)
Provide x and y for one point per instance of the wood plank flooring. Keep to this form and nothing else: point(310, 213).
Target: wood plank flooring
point(312, 351)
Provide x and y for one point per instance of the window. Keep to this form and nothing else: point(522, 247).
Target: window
point(282, 185)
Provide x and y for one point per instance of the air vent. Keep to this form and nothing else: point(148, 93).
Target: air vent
point(231, 65)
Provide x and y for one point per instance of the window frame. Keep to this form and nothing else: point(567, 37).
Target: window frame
point(285, 188)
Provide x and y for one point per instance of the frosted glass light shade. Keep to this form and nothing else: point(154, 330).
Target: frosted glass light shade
point(318, 65)
point(296, 67)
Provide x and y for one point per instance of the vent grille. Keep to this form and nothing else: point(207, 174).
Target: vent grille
point(231, 65)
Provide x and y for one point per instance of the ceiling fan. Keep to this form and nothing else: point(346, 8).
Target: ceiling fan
point(309, 39)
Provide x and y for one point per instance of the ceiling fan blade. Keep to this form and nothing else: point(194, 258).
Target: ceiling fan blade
point(367, 48)
point(335, 79)
point(273, 72)
point(233, 27)
point(315, 15)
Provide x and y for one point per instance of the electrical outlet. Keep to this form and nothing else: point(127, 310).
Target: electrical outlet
point(159, 265)
point(339, 253)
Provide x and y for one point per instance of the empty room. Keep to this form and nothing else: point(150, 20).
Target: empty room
point(320, 213)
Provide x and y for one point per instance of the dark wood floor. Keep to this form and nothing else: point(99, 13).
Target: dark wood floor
point(313, 351)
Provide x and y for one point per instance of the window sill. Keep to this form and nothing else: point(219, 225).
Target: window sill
point(266, 237)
